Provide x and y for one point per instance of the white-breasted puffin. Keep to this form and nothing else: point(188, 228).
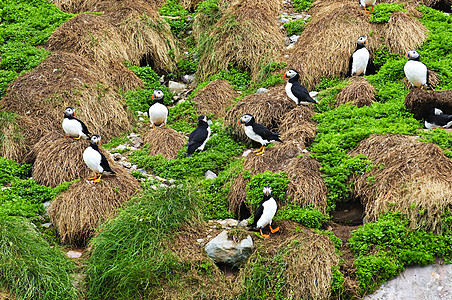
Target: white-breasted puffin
point(258, 132)
point(199, 137)
point(73, 127)
point(366, 4)
point(437, 119)
point(158, 112)
point(265, 213)
point(95, 160)
point(415, 71)
point(295, 90)
point(359, 59)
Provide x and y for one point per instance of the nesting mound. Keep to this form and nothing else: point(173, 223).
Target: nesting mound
point(77, 212)
point(443, 5)
point(215, 98)
point(246, 36)
point(335, 28)
point(267, 109)
point(410, 176)
point(165, 141)
point(61, 161)
point(433, 80)
point(306, 185)
point(308, 258)
point(297, 117)
point(420, 101)
point(359, 91)
point(41, 95)
point(190, 4)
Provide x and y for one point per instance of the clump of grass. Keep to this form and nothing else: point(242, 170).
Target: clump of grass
point(302, 5)
point(308, 216)
point(10, 169)
point(382, 12)
point(179, 25)
point(130, 255)
point(30, 268)
point(295, 27)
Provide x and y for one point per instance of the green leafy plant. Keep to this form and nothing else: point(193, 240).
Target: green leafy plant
point(438, 136)
point(179, 22)
point(308, 216)
point(302, 5)
point(10, 169)
point(383, 11)
point(296, 27)
point(277, 181)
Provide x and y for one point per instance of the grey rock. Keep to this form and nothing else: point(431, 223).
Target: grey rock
point(415, 282)
point(313, 94)
point(142, 171)
point(176, 87)
point(228, 223)
point(294, 38)
point(133, 135)
point(121, 147)
point(117, 156)
point(126, 164)
point(286, 41)
point(223, 250)
point(290, 46)
point(245, 154)
point(137, 142)
point(46, 225)
point(162, 79)
point(283, 20)
point(74, 254)
point(188, 78)
point(46, 207)
point(244, 223)
point(286, 56)
point(261, 90)
point(141, 119)
point(200, 240)
point(210, 175)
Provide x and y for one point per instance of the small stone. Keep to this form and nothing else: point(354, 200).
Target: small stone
point(243, 223)
point(200, 240)
point(245, 154)
point(313, 94)
point(74, 254)
point(162, 79)
point(171, 180)
point(294, 38)
point(304, 151)
point(46, 225)
point(283, 20)
point(126, 164)
point(286, 56)
point(141, 119)
point(137, 142)
point(228, 223)
point(121, 148)
point(133, 135)
point(142, 171)
point(117, 156)
point(188, 78)
point(290, 46)
point(176, 87)
point(210, 175)
point(261, 90)
point(286, 41)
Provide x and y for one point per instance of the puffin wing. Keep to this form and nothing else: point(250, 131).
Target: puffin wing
point(104, 164)
point(85, 129)
point(197, 137)
point(301, 93)
point(265, 133)
point(350, 64)
point(258, 215)
point(441, 120)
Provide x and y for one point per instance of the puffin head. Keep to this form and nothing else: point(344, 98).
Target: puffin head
point(291, 74)
point(158, 95)
point(267, 190)
point(202, 119)
point(69, 111)
point(245, 119)
point(95, 139)
point(412, 54)
point(362, 41)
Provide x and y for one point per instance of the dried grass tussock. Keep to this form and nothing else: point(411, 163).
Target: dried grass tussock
point(247, 36)
point(359, 91)
point(328, 41)
point(62, 79)
point(268, 109)
point(420, 101)
point(77, 212)
point(165, 141)
point(409, 176)
point(215, 98)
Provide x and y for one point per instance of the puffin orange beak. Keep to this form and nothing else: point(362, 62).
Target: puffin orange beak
point(284, 76)
point(239, 122)
point(152, 96)
point(406, 54)
point(266, 193)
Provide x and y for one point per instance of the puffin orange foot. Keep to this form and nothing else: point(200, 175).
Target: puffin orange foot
point(97, 180)
point(264, 235)
point(274, 230)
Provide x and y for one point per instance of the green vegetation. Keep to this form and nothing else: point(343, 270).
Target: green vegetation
point(128, 264)
point(438, 136)
point(383, 248)
point(277, 181)
point(10, 169)
point(25, 24)
point(308, 216)
point(180, 21)
point(302, 5)
point(219, 151)
point(295, 27)
point(383, 11)
point(30, 268)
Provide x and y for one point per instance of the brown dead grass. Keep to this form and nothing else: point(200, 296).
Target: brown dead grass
point(70, 6)
point(215, 98)
point(268, 109)
point(359, 91)
point(410, 176)
point(77, 212)
point(306, 185)
point(297, 117)
point(61, 161)
point(165, 141)
point(438, 3)
point(246, 36)
point(328, 41)
point(41, 95)
point(420, 101)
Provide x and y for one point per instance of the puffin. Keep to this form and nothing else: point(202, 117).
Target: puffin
point(415, 71)
point(295, 90)
point(95, 160)
point(158, 112)
point(359, 59)
point(366, 4)
point(437, 119)
point(199, 137)
point(258, 132)
point(73, 127)
point(265, 213)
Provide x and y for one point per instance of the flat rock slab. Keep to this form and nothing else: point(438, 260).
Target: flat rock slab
point(74, 254)
point(433, 282)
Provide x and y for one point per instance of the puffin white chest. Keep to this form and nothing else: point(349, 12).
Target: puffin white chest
point(289, 92)
point(269, 212)
point(360, 60)
point(367, 3)
point(158, 113)
point(92, 159)
point(416, 72)
point(254, 136)
point(72, 127)
point(200, 148)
